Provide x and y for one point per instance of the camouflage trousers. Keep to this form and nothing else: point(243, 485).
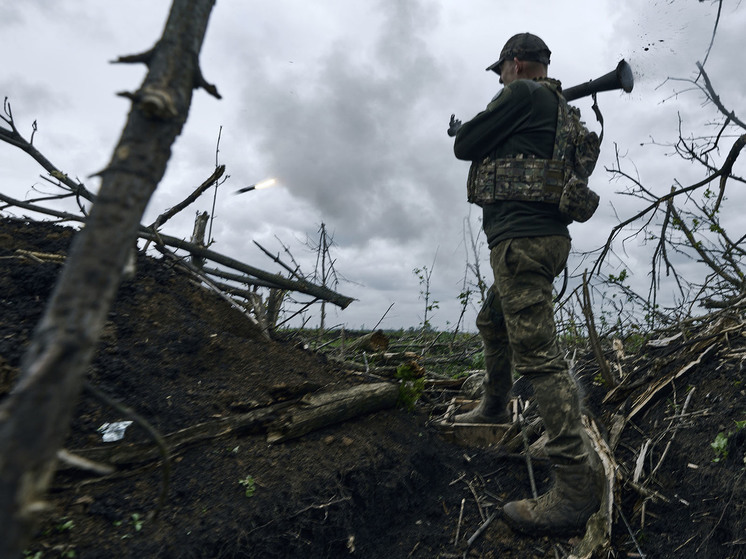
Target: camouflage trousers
point(519, 334)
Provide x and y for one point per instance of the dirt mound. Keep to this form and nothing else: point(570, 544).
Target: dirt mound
point(382, 485)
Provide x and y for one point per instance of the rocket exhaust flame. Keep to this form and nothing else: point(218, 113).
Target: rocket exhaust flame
point(258, 186)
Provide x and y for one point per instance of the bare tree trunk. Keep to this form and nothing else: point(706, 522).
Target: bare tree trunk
point(34, 420)
point(198, 237)
point(274, 306)
point(322, 250)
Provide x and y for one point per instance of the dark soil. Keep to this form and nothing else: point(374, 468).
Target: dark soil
point(383, 485)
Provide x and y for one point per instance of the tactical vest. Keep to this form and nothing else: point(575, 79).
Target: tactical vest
point(561, 180)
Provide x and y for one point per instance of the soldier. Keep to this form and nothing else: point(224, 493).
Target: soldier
point(526, 148)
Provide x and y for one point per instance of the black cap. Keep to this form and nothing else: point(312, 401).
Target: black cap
point(523, 46)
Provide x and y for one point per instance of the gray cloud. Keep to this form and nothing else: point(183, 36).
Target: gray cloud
point(349, 139)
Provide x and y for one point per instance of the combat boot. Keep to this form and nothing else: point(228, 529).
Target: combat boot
point(498, 378)
point(578, 486)
point(564, 509)
point(491, 409)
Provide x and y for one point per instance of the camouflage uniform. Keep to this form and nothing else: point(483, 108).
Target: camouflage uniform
point(514, 137)
point(519, 333)
point(510, 145)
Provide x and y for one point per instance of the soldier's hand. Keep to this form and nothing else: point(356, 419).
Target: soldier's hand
point(453, 126)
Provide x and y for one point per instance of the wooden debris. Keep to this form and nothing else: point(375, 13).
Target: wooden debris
point(603, 364)
point(198, 237)
point(454, 383)
point(469, 434)
point(618, 422)
point(527, 452)
point(480, 530)
point(460, 519)
point(640, 462)
point(663, 342)
point(598, 528)
point(41, 256)
point(661, 383)
point(387, 372)
point(284, 421)
point(513, 438)
point(78, 462)
point(320, 410)
point(374, 341)
point(395, 357)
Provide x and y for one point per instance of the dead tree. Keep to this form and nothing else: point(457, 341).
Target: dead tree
point(34, 420)
point(472, 245)
point(252, 275)
point(692, 222)
point(686, 221)
point(324, 270)
point(198, 236)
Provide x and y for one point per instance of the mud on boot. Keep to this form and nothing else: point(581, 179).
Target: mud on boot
point(564, 509)
point(489, 410)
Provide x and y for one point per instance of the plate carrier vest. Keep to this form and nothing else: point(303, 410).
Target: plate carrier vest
point(561, 180)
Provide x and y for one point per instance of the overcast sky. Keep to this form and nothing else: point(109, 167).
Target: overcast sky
point(346, 104)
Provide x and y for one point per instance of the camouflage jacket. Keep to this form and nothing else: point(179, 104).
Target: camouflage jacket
point(530, 175)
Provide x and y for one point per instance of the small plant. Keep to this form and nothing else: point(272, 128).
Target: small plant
point(635, 342)
point(249, 485)
point(65, 525)
point(31, 555)
point(423, 275)
point(672, 405)
point(412, 384)
point(137, 521)
point(477, 360)
point(720, 446)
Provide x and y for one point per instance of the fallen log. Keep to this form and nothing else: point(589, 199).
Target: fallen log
point(388, 357)
point(240, 278)
point(130, 454)
point(321, 410)
point(258, 277)
point(386, 371)
point(283, 421)
point(276, 280)
point(454, 383)
point(373, 341)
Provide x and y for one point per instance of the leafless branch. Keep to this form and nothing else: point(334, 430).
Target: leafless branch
point(165, 216)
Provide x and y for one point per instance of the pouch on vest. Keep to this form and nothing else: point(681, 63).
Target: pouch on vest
point(581, 149)
point(578, 202)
